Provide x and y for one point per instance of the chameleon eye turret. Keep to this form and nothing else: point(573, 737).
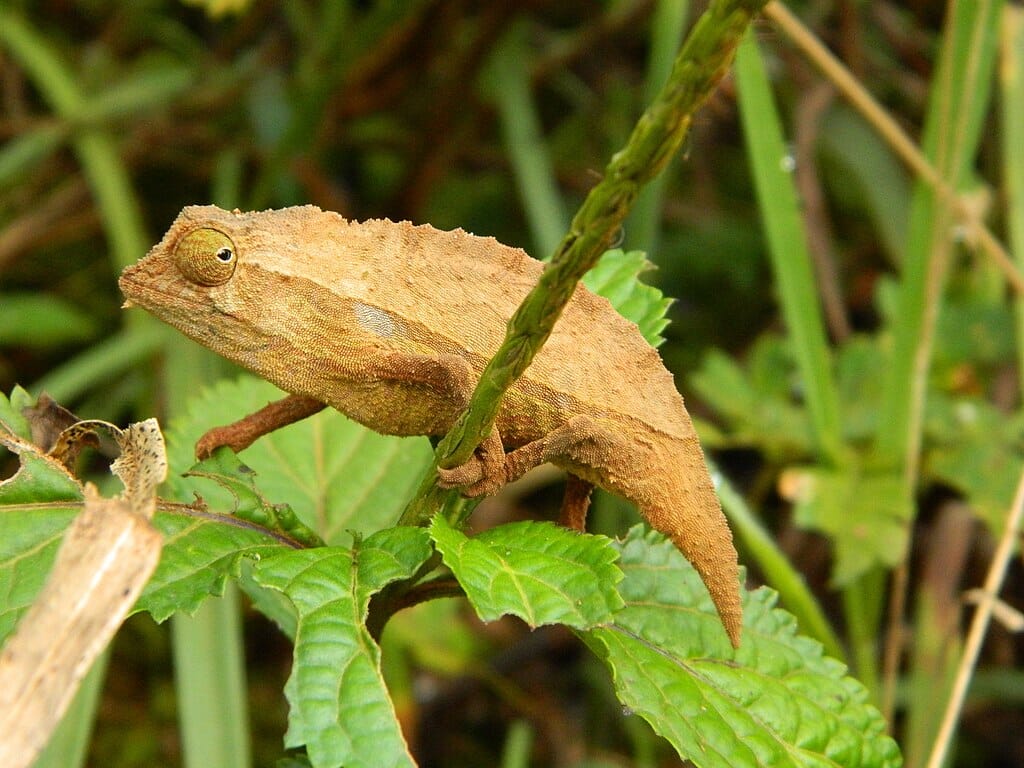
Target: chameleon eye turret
point(205, 256)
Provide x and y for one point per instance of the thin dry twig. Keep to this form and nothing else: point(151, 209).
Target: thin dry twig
point(979, 625)
point(894, 135)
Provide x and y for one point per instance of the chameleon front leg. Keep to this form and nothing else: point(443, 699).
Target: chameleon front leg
point(437, 384)
point(241, 434)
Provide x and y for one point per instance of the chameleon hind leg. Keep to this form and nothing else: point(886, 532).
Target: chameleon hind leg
point(571, 444)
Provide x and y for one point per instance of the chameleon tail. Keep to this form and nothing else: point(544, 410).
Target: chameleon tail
point(692, 518)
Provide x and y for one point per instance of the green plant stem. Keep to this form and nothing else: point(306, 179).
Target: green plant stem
point(668, 22)
point(700, 65)
point(124, 351)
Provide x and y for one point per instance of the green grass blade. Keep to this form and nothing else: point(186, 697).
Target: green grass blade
point(507, 81)
point(787, 245)
point(957, 107)
point(97, 151)
point(210, 684)
point(69, 745)
point(124, 351)
point(208, 648)
point(1011, 82)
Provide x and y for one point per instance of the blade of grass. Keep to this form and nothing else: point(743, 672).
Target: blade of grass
point(957, 107)
point(516, 752)
point(787, 247)
point(209, 657)
point(507, 83)
point(668, 22)
point(210, 683)
point(69, 745)
point(802, 312)
point(657, 136)
point(894, 135)
point(958, 103)
point(209, 663)
point(1011, 80)
point(125, 350)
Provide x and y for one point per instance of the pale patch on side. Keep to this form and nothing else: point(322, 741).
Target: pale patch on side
point(377, 321)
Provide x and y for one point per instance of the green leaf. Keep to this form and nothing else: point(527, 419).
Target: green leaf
point(616, 278)
point(862, 511)
point(40, 320)
point(337, 475)
point(538, 571)
point(36, 504)
point(340, 707)
point(39, 501)
point(978, 450)
point(776, 701)
point(200, 554)
point(757, 403)
point(29, 539)
point(12, 417)
point(226, 469)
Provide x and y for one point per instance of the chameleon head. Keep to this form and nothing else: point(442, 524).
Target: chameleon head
point(185, 280)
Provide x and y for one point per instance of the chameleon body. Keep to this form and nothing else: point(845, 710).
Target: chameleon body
point(393, 323)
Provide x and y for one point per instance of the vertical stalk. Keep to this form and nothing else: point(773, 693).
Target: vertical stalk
point(787, 247)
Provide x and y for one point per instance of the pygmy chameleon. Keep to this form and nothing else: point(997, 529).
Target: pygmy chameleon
point(392, 324)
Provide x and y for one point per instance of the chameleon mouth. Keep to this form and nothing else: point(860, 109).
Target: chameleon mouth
point(140, 292)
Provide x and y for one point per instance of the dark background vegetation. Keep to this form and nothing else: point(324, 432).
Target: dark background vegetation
point(394, 109)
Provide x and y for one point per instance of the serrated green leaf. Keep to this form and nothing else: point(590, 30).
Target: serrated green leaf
point(776, 701)
point(340, 708)
point(538, 571)
point(615, 278)
point(335, 474)
point(199, 556)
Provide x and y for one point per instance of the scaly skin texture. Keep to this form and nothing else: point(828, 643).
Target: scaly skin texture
point(392, 324)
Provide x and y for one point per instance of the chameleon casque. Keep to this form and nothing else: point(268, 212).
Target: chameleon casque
point(392, 324)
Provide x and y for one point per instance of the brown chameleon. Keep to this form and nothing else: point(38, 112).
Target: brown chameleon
point(392, 324)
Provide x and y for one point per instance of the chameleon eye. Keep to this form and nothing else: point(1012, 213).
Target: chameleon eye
point(205, 256)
